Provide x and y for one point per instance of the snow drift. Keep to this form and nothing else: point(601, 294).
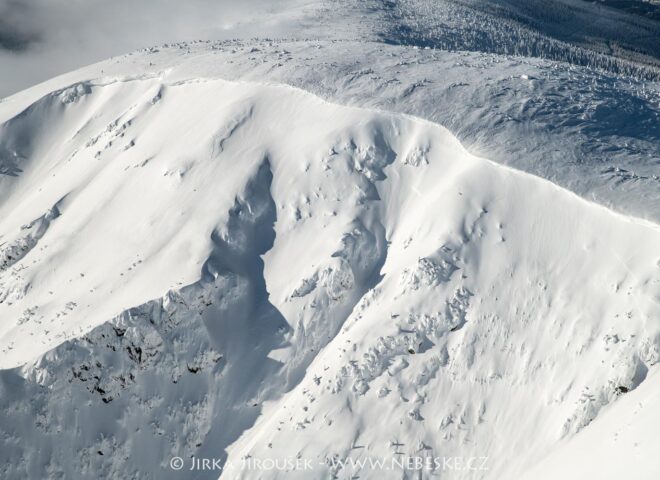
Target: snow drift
point(228, 269)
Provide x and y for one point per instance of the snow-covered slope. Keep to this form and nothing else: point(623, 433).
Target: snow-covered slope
point(619, 36)
point(575, 31)
point(626, 436)
point(593, 133)
point(234, 270)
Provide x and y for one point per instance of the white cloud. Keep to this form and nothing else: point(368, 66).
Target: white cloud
point(43, 38)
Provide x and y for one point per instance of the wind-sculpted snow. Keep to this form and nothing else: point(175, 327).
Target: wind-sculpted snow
point(29, 236)
point(233, 270)
point(581, 33)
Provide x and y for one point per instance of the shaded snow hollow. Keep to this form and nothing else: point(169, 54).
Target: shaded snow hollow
point(224, 269)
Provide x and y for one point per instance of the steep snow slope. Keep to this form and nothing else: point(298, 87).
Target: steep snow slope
point(626, 435)
point(234, 270)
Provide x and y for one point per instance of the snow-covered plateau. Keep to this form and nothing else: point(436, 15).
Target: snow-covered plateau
point(333, 252)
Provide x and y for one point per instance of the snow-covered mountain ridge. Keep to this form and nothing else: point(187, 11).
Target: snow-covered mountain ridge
point(593, 133)
point(354, 283)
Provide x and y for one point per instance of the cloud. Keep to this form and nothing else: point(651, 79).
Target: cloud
point(13, 40)
point(14, 36)
point(43, 38)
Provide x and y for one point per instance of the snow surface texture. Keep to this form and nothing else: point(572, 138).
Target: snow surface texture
point(583, 33)
point(594, 133)
point(203, 254)
point(236, 270)
point(37, 37)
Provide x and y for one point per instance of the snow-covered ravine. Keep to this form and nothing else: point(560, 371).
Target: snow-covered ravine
point(233, 270)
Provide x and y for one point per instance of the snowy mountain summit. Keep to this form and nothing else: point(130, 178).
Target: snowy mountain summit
point(267, 259)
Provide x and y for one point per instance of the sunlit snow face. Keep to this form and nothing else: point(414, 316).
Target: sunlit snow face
point(42, 38)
